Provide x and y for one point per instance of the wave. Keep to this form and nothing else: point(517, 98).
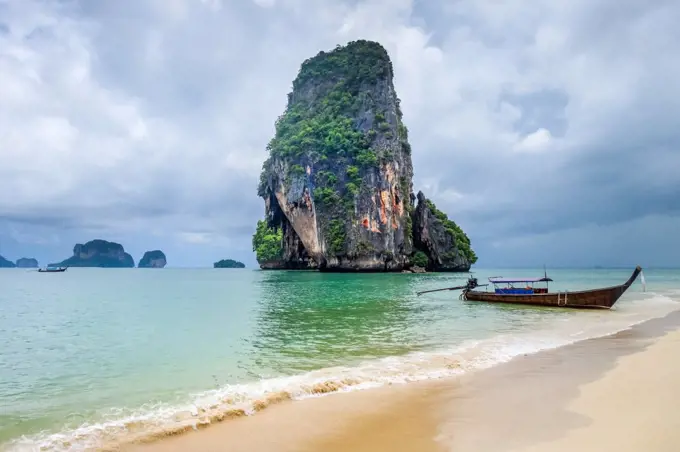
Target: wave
point(152, 422)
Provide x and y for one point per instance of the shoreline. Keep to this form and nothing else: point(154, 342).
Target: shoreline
point(480, 407)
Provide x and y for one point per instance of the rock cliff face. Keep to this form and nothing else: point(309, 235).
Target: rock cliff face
point(26, 262)
point(153, 259)
point(4, 263)
point(338, 178)
point(337, 184)
point(446, 246)
point(98, 253)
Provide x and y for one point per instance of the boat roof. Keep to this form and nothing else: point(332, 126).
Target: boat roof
point(501, 280)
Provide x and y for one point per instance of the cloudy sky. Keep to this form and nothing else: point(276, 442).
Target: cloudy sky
point(549, 130)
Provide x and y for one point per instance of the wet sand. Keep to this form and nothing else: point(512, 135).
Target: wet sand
point(358, 421)
point(618, 393)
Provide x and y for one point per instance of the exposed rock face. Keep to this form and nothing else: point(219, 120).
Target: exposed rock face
point(295, 256)
point(337, 182)
point(99, 253)
point(27, 262)
point(445, 244)
point(4, 263)
point(153, 259)
point(415, 269)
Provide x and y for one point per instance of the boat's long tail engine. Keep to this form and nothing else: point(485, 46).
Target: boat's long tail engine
point(471, 284)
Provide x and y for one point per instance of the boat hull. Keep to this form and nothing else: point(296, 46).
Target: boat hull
point(603, 298)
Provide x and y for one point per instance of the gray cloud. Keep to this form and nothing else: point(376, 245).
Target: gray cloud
point(149, 120)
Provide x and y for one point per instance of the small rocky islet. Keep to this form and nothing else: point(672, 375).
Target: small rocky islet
point(24, 262)
point(4, 263)
point(229, 263)
point(337, 184)
point(153, 259)
point(98, 253)
point(27, 262)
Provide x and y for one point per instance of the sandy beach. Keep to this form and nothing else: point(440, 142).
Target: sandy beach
point(618, 393)
point(631, 408)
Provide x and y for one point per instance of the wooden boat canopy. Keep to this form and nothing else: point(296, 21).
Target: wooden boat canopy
point(510, 288)
point(501, 280)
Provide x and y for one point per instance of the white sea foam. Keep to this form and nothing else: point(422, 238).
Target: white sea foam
point(156, 421)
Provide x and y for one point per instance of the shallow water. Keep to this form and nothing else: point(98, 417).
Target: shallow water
point(100, 356)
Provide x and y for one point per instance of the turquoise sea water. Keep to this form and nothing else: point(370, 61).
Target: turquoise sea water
point(94, 357)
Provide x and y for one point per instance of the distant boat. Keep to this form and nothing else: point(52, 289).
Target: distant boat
point(52, 269)
point(508, 290)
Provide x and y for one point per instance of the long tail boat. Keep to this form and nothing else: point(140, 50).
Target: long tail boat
point(52, 269)
point(603, 298)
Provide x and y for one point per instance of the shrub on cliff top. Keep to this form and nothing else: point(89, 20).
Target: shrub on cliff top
point(324, 126)
point(358, 61)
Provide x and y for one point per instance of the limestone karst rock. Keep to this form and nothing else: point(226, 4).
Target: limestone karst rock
point(337, 184)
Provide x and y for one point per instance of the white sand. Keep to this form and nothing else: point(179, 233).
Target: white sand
point(634, 407)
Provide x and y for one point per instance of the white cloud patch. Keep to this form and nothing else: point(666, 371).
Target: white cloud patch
point(265, 3)
point(537, 141)
point(196, 237)
point(130, 115)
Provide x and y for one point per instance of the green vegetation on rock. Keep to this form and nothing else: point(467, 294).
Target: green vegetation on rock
point(420, 259)
point(461, 239)
point(405, 191)
point(356, 62)
point(337, 236)
point(267, 243)
point(229, 263)
point(327, 128)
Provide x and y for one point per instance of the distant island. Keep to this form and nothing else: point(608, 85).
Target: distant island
point(337, 184)
point(98, 253)
point(229, 263)
point(4, 263)
point(153, 259)
point(27, 262)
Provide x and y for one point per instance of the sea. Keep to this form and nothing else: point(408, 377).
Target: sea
point(94, 358)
